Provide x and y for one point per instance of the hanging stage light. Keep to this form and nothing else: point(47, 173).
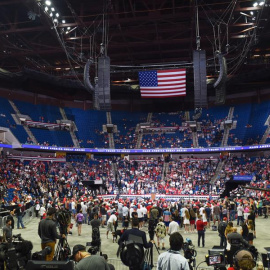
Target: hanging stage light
point(48, 2)
point(261, 3)
point(51, 14)
point(255, 4)
point(52, 9)
point(57, 15)
point(63, 21)
point(46, 9)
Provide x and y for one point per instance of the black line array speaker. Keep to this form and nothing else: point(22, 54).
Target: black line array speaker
point(104, 95)
point(200, 87)
point(220, 84)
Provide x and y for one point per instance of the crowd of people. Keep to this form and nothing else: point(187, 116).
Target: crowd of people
point(54, 185)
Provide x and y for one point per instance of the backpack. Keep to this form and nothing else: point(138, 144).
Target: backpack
point(221, 227)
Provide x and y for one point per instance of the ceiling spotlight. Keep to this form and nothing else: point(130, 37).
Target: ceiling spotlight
point(68, 28)
point(261, 3)
point(57, 15)
point(55, 20)
point(48, 2)
point(52, 9)
point(63, 21)
point(251, 12)
point(46, 8)
point(51, 14)
point(66, 32)
point(255, 4)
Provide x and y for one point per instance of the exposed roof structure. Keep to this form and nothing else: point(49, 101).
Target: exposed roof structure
point(56, 37)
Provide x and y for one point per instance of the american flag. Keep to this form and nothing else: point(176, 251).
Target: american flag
point(163, 83)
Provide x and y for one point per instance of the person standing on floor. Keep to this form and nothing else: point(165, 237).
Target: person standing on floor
point(19, 213)
point(201, 231)
point(79, 220)
point(161, 233)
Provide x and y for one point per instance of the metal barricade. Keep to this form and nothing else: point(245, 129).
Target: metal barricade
point(28, 215)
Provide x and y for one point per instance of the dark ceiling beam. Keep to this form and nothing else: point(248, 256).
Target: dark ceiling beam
point(124, 29)
point(10, 2)
point(132, 8)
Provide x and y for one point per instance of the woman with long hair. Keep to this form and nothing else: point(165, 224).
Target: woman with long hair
point(79, 220)
point(192, 219)
point(250, 232)
point(177, 217)
point(244, 231)
point(186, 221)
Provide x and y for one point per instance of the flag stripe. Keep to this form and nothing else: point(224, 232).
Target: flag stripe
point(163, 83)
point(169, 91)
point(164, 95)
point(164, 87)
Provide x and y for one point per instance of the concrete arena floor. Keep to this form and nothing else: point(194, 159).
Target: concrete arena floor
point(110, 248)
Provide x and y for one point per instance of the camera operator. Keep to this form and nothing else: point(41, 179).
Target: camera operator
point(48, 234)
point(235, 237)
point(243, 260)
point(86, 261)
point(172, 259)
point(7, 230)
point(136, 232)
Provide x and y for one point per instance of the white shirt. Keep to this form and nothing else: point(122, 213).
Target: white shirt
point(173, 227)
point(72, 205)
point(140, 213)
point(112, 218)
point(125, 211)
point(42, 210)
point(172, 260)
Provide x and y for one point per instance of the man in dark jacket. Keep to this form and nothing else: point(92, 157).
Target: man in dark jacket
point(48, 234)
point(127, 235)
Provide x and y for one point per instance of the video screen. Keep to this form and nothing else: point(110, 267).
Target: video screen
point(215, 259)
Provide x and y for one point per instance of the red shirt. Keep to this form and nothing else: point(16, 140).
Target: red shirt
point(200, 225)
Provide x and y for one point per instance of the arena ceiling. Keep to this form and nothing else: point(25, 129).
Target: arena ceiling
point(56, 37)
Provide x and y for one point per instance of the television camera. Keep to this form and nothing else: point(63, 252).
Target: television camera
point(15, 253)
point(63, 219)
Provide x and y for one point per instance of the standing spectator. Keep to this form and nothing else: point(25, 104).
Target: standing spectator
point(232, 211)
point(172, 259)
point(177, 217)
point(244, 231)
point(166, 217)
point(216, 214)
point(192, 220)
point(246, 212)
point(160, 233)
point(186, 221)
point(201, 232)
point(252, 217)
point(103, 213)
point(84, 212)
point(221, 231)
point(250, 232)
point(7, 231)
point(173, 227)
point(240, 213)
point(42, 211)
point(48, 234)
point(125, 214)
point(18, 212)
point(111, 223)
point(37, 208)
point(79, 220)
